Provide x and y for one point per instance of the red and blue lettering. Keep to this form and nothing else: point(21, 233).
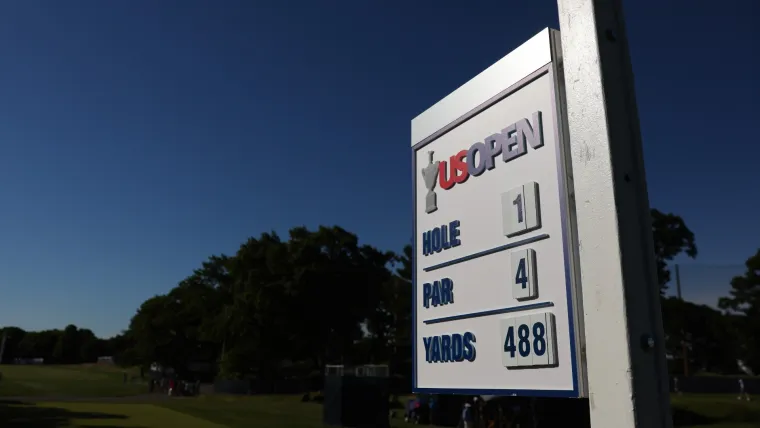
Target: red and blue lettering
point(457, 171)
point(510, 143)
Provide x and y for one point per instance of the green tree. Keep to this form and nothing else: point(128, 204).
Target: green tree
point(156, 332)
point(66, 349)
point(337, 285)
point(671, 238)
point(14, 336)
point(121, 348)
point(262, 313)
point(399, 303)
point(710, 340)
point(87, 347)
point(182, 326)
point(744, 299)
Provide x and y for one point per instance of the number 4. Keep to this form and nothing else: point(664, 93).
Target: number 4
point(521, 277)
point(509, 342)
point(524, 283)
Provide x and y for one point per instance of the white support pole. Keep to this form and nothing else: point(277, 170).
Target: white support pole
point(625, 355)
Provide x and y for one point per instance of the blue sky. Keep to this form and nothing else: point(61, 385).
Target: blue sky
point(137, 138)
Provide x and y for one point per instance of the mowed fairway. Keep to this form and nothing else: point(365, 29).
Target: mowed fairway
point(79, 381)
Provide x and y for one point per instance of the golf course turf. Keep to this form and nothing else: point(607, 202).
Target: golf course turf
point(96, 396)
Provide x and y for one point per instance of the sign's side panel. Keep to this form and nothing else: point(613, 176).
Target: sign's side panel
point(627, 370)
point(570, 224)
point(415, 173)
point(492, 281)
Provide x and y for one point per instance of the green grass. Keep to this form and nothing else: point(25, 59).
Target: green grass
point(80, 381)
point(715, 411)
point(692, 411)
point(265, 411)
point(730, 376)
point(202, 412)
point(695, 411)
point(288, 412)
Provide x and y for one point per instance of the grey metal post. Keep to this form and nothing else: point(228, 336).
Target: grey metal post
point(678, 283)
point(2, 346)
point(684, 348)
point(627, 374)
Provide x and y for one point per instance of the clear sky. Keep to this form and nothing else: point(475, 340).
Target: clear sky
point(139, 137)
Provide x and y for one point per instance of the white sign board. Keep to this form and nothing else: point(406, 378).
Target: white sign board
point(494, 297)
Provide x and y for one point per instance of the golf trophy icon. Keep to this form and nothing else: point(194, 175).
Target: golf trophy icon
point(430, 174)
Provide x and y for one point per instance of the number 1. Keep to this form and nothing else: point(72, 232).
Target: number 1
point(520, 210)
point(518, 202)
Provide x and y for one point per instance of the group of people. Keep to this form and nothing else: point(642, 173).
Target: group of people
point(477, 414)
point(174, 387)
point(476, 411)
point(480, 412)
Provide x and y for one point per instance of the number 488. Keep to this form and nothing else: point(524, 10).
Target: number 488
point(529, 340)
point(523, 345)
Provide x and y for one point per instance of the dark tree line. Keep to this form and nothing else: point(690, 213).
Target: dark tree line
point(286, 307)
point(744, 306)
point(71, 345)
point(319, 297)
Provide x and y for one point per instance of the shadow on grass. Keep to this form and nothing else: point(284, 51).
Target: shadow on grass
point(396, 404)
point(687, 418)
point(17, 414)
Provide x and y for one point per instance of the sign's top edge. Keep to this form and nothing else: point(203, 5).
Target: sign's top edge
point(516, 65)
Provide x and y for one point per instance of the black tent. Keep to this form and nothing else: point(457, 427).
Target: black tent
point(356, 397)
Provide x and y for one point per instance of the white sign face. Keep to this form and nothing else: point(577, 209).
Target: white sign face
point(493, 286)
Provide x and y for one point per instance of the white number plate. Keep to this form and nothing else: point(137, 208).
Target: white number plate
point(529, 341)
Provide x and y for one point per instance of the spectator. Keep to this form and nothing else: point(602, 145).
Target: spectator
point(431, 405)
point(742, 393)
point(467, 419)
point(481, 412)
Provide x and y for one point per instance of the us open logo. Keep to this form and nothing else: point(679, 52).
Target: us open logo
point(511, 143)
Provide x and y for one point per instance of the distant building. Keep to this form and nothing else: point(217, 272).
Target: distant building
point(28, 361)
point(105, 360)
